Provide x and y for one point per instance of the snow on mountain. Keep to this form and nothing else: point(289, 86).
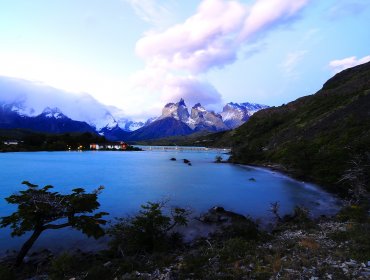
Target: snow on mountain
point(32, 99)
point(203, 119)
point(123, 122)
point(129, 125)
point(199, 119)
point(232, 116)
point(178, 111)
point(235, 114)
point(53, 113)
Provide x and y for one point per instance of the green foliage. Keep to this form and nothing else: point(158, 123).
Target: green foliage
point(299, 219)
point(357, 235)
point(148, 231)
point(39, 208)
point(236, 249)
point(353, 213)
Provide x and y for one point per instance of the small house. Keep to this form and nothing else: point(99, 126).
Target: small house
point(11, 142)
point(109, 146)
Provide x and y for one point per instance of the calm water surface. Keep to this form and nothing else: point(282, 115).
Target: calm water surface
point(133, 178)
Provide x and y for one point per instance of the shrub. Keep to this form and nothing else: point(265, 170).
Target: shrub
point(241, 228)
point(300, 217)
point(148, 231)
point(353, 213)
point(63, 266)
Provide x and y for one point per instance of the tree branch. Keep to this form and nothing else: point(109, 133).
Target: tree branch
point(50, 226)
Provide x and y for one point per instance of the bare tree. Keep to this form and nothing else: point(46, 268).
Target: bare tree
point(356, 176)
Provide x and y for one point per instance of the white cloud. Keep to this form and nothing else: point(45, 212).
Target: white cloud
point(172, 87)
point(204, 40)
point(193, 90)
point(154, 12)
point(211, 38)
point(342, 64)
point(66, 76)
point(291, 62)
point(266, 14)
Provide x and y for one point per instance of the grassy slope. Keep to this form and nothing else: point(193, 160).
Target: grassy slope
point(315, 136)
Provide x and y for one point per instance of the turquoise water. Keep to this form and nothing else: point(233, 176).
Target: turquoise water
point(133, 178)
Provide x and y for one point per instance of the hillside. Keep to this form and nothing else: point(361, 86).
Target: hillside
point(316, 136)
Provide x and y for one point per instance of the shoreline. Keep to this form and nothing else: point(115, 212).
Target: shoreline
point(292, 174)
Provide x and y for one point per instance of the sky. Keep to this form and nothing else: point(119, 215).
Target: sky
point(138, 55)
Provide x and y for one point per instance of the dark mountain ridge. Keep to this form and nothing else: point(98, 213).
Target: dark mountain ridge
point(161, 128)
point(50, 121)
point(314, 137)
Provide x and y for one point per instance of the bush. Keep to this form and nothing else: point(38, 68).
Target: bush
point(148, 231)
point(235, 249)
point(300, 218)
point(63, 266)
point(353, 213)
point(244, 228)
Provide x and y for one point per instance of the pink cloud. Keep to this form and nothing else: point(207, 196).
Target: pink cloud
point(342, 64)
point(202, 40)
point(213, 36)
point(266, 14)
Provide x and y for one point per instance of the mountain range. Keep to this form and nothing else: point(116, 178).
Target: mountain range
point(37, 107)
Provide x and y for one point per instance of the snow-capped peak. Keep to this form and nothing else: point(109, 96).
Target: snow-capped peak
point(235, 114)
point(53, 113)
point(199, 107)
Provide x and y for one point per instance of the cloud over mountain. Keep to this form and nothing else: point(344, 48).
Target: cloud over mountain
point(348, 62)
point(211, 38)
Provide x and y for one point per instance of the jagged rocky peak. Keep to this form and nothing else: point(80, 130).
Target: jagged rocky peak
point(205, 120)
point(198, 111)
point(178, 110)
point(181, 102)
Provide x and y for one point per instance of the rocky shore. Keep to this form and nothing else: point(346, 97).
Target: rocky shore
point(297, 247)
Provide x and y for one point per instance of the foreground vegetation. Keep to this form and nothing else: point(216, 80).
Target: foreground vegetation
point(150, 246)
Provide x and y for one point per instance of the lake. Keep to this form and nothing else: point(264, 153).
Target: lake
point(133, 178)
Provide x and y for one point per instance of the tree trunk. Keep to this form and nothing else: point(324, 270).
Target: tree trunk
point(27, 246)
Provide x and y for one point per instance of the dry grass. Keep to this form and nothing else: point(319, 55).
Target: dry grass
point(309, 243)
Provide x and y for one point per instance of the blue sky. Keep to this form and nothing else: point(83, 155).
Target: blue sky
point(140, 54)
